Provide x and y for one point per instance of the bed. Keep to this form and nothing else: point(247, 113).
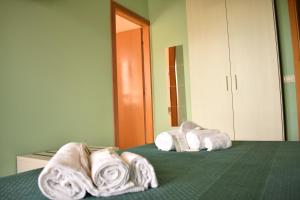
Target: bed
point(248, 170)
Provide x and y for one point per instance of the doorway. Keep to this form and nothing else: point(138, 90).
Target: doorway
point(131, 78)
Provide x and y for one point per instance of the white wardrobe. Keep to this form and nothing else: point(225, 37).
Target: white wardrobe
point(234, 68)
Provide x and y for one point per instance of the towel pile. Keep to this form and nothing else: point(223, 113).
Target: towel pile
point(74, 171)
point(192, 137)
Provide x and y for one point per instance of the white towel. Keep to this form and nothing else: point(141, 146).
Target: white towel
point(111, 174)
point(217, 141)
point(164, 141)
point(67, 174)
point(196, 137)
point(180, 142)
point(141, 171)
point(188, 126)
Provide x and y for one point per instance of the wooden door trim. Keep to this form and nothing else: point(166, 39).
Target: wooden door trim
point(173, 86)
point(145, 24)
point(129, 15)
point(295, 33)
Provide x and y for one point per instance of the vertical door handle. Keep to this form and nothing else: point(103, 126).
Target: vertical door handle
point(227, 83)
point(236, 84)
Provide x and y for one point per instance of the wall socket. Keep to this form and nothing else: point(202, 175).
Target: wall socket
point(289, 78)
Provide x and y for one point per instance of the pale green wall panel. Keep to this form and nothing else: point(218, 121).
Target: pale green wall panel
point(291, 112)
point(55, 75)
point(287, 68)
point(168, 28)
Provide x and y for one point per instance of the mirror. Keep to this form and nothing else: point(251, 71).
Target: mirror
point(176, 85)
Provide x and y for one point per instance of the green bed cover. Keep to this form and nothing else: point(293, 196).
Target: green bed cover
point(248, 170)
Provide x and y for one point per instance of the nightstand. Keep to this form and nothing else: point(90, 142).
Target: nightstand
point(39, 160)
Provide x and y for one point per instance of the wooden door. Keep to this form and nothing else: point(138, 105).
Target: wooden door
point(294, 14)
point(130, 86)
point(255, 70)
point(211, 95)
point(173, 86)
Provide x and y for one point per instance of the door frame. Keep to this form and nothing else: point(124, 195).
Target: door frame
point(117, 9)
point(173, 109)
point(295, 33)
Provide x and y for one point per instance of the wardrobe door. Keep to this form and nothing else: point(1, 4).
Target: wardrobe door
point(210, 81)
point(255, 70)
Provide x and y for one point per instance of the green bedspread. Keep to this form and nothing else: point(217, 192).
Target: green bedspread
point(248, 170)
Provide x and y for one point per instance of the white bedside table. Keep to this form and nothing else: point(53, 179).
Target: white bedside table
point(39, 160)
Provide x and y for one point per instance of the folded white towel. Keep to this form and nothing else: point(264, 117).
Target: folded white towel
point(217, 141)
point(141, 171)
point(111, 174)
point(196, 137)
point(164, 141)
point(180, 142)
point(188, 126)
point(67, 174)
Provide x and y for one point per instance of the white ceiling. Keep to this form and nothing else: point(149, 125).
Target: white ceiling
point(123, 24)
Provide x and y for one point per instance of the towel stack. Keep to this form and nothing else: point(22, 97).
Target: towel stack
point(74, 171)
point(192, 137)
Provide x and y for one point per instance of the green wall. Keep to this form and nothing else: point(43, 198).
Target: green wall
point(287, 68)
point(55, 75)
point(168, 28)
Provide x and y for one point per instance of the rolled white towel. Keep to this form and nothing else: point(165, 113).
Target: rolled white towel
point(195, 138)
point(111, 174)
point(164, 141)
point(217, 141)
point(67, 174)
point(141, 171)
point(193, 141)
point(188, 126)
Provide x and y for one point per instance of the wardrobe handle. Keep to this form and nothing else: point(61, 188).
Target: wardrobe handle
point(227, 83)
point(235, 77)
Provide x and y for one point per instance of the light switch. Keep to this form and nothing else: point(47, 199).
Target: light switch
point(289, 78)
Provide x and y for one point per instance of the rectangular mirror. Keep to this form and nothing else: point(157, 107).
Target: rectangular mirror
point(176, 85)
